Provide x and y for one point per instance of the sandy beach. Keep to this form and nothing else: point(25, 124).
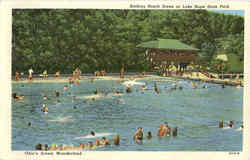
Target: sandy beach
point(195, 76)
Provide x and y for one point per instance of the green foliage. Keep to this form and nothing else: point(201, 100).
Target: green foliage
point(61, 39)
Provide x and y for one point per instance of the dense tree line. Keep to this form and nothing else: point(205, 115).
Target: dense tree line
point(61, 40)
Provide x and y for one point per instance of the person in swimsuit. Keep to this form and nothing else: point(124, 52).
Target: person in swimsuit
point(138, 134)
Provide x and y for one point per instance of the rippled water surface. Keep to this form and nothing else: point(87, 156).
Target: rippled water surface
point(196, 113)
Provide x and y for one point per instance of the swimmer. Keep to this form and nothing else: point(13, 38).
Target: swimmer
point(46, 147)
point(230, 124)
point(138, 134)
point(65, 87)
point(156, 88)
point(223, 85)
point(160, 131)
point(57, 93)
point(39, 147)
point(221, 124)
point(16, 97)
point(91, 80)
point(77, 82)
point(117, 140)
point(90, 145)
point(97, 142)
point(238, 86)
point(92, 133)
point(82, 146)
point(95, 92)
point(128, 90)
point(104, 141)
point(45, 109)
point(149, 135)
point(144, 88)
point(29, 124)
point(45, 97)
point(175, 131)
point(166, 129)
point(121, 101)
point(204, 86)
point(131, 78)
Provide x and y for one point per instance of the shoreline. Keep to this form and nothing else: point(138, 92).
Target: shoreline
point(64, 79)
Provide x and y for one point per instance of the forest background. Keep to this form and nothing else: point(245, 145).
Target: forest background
point(63, 39)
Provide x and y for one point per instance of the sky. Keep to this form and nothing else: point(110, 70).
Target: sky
point(233, 12)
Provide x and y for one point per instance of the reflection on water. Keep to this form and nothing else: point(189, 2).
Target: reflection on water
point(196, 113)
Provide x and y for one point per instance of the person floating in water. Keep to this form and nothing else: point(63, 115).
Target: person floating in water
point(138, 136)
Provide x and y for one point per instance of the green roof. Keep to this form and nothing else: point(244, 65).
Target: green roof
point(172, 44)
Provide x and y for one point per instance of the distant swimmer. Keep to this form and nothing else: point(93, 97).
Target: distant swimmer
point(204, 86)
point(138, 134)
point(90, 145)
point(97, 142)
point(117, 140)
point(149, 136)
point(71, 81)
point(160, 131)
point(18, 98)
point(156, 88)
point(128, 90)
point(230, 124)
point(65, 87)
point(121, 101)
point(175, 131)
point(29, 124)
point(144, 87)
point(92, 133)
point(45, 109)
point(221, 124)
point(57, 93)
point(166, 129)
point(104, 141)
point(95, 92)
point(45, 97)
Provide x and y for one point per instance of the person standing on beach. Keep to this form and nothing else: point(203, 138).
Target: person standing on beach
point(30, 74)
point(45, 75)
point(17, 76)
point(122, 72)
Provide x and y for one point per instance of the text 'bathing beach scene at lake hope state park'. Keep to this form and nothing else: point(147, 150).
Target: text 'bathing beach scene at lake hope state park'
point(127, 80)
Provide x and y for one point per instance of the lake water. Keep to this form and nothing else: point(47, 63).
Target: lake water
point(195, 112)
